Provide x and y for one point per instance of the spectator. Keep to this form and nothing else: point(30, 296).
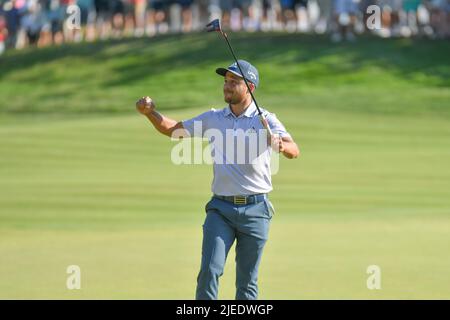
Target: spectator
point(42, 22)
point(271, 15)
point(138, 7)
point(289, 19)
point(344, 12)
point(325, 8)
point(69, 32)
point(13, 13)
point(200, 14)
point(408, 18)
point(3, 34)
point(45, 37)
point(186, 15)
point(129, 17)
point(440, 18)
point(32, 22)
point(118, 18)
point(243, 11)
point(55, 18)
point(390, 17)
point(156, 17)
point(87, 18)
point(225, 8)
point(103, 13)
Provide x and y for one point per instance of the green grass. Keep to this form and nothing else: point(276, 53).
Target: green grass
point(295, 70)
point(84, 180)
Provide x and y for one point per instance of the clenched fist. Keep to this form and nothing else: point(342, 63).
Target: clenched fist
point(277, 143)
point(145, 105)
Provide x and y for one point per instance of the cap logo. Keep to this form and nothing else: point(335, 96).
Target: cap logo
point(252, 75)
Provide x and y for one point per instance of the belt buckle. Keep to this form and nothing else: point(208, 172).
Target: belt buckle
point(240, 200)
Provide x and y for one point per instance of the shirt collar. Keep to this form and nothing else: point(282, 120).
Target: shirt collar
point(249, 112)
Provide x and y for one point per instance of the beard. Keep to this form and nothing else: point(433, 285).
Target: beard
point(231, 98)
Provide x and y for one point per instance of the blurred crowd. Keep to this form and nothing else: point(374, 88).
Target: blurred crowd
point(46, 22)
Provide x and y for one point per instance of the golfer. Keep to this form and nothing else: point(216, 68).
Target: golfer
point(239, 208)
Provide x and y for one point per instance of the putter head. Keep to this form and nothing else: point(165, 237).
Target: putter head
point(214, 26)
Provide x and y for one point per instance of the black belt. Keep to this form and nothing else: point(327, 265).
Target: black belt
point(250, 199)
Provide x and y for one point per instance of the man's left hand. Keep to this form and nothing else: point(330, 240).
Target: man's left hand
point(277, 143)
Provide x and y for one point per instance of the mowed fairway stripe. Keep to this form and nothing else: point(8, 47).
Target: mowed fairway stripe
point(102, 193)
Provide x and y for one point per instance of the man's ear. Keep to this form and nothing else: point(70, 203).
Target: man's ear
point(252, 87)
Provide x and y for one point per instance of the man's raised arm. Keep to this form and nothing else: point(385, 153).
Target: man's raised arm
point(163, 124)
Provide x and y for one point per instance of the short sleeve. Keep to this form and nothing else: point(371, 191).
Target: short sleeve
point(197, 126)
point(276, 126)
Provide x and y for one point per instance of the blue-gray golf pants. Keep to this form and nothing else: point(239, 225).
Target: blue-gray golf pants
point(225, 222)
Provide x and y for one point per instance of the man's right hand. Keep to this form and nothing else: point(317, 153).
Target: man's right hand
point(145, 105)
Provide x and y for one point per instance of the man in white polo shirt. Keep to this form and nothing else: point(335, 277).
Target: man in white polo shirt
point(239, 208)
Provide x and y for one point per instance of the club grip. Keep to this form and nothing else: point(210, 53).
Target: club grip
point(265, 125)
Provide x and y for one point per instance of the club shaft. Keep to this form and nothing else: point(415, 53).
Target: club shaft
point(261, 116)
point(245, 80)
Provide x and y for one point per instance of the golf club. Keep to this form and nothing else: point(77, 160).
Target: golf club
point(215, 26)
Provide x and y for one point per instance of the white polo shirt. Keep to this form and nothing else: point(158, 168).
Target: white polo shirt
point(241, 156)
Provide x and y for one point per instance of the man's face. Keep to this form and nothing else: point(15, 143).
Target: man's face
point(234, 88)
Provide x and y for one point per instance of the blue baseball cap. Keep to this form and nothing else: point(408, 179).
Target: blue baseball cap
point(250, 72)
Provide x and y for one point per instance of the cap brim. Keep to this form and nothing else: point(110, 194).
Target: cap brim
point(223, 72)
